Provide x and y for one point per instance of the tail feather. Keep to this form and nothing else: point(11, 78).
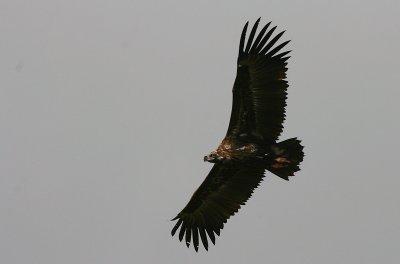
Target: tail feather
point(285, 158)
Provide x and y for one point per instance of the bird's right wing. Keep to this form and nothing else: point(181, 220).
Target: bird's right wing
point(224, 190)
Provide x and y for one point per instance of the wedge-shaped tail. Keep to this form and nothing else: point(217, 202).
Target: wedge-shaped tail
point(285, 158)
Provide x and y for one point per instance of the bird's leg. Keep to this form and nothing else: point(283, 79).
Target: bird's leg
point(280, 162)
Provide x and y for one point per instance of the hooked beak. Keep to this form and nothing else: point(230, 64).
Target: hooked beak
point(212, 159)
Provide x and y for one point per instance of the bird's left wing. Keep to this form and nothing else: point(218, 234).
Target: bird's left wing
point(224, 190)
point(259, 91)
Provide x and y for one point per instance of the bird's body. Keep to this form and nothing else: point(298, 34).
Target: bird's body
point(233, 149)
point(250, 146)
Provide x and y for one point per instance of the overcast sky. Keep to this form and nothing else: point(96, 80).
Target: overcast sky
point(108, 107)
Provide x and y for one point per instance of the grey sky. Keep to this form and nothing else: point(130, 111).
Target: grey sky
point(107, 108)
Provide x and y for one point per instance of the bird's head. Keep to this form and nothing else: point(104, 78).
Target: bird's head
point(213, 157)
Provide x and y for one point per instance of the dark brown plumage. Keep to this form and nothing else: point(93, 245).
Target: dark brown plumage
point(249, 147)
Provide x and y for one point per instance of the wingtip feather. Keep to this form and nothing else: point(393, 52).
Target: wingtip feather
point(251, 36)
point(173, 231)
point(243, 38)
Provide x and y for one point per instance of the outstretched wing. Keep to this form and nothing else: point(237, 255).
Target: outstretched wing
point(224, 190)
point(259, 91)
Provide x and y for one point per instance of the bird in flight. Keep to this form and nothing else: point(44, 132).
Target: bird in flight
point(250, 146)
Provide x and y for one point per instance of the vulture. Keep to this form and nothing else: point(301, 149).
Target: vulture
point(250, 146)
